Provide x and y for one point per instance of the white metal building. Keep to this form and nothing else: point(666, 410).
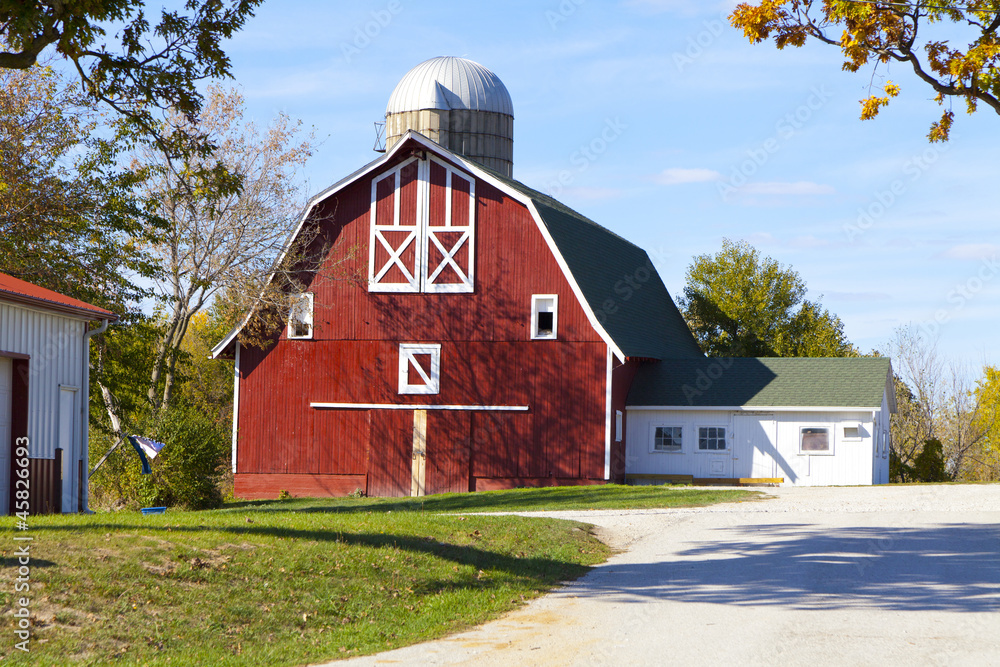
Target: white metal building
point(802, 421)
point(44, 378)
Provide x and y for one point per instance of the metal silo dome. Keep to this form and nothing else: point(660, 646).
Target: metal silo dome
point(459, 104)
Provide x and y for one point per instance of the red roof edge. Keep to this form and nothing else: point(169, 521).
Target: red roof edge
point(21, 291)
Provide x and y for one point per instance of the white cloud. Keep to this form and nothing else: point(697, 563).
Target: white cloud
point(676, 176)
point(973, 251)
point(782, 188)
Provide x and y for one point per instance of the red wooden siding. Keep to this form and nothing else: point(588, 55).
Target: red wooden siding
point(621, 380)
point(487, 358)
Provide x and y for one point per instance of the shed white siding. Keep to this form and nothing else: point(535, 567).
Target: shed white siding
point(761, 444)
point(54, 345)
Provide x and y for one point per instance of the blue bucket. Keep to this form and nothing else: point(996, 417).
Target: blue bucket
point(153, 510)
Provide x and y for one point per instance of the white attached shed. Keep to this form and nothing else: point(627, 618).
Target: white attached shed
point(44, 378)
point(793, 421)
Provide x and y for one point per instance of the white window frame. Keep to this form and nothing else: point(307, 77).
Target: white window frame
point(831, 432)
point(536, 301)
point(619, 424)
point(431, 376)
point(652, 438)
point(296, 308)
point(725, 439)
point(422, 235)
point(852, 438)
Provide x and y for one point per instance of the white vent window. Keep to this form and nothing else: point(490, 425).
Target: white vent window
point(419, 368)
point(618, 425)
point(544, 316)
point(422, 232)
point(852, 432)
point(300, 317)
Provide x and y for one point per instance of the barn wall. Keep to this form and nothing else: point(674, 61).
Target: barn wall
point(54, 344)
point(851, 462)
point(487, 358)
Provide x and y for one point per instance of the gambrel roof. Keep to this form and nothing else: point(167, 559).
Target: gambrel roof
point(615, 281)
point(765, 382)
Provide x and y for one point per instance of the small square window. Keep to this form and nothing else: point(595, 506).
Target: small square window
point(300, 316)
point(544, 316)
point(712, 438)
point(419, 368)
point(668, 439)
point(815, 440)
point(852, 433)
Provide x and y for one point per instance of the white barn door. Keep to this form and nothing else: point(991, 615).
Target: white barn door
point(754, 449)
point(5, 443)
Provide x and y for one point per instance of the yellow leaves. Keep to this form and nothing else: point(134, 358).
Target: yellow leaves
point(942, 128)
point(757, 22)
point(873, 104)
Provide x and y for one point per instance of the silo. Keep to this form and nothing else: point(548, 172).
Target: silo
point(459, 104)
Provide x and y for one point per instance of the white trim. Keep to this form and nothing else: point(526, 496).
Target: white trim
point(607, 415)
point(652, 437)
point(416, 406)
point(236, 400)
point(376, 232)
point(748, 408)
point(535, 299)
point(428, 276)
point(293, 313)
point(831, 434)
point(727, 437)
point(431, 376)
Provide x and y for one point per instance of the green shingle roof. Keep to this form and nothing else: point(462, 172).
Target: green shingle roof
point(618, 280)
point(855, 382)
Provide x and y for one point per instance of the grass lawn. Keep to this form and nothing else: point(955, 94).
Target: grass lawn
point(296, 581)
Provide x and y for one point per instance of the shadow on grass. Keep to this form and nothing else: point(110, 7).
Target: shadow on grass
point(948, 567)
point(548, 570)
point(518, 500)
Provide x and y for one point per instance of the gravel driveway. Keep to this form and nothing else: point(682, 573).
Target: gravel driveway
point(814, 576)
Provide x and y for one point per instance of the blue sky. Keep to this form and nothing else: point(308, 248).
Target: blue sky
point(711, 138)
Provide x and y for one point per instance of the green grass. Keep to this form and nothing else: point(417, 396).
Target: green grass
point(294, 581)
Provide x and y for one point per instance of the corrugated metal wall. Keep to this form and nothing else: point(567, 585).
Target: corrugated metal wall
point(54, 344)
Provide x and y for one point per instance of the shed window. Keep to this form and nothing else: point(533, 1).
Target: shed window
point(422, 229)
point(300, 317)
point(712, 438)
point(852, 433)
point(544, 316)
point(815, 440)
point(668, 439)
point(419, 368)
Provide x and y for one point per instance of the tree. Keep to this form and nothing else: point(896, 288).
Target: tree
point(150, 68)
point(984, 463)
point(740, 304)
point(885, 32)
point(218, 237)
point(70, 218)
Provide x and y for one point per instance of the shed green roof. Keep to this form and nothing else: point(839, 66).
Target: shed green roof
point(769, 382)
point(618, 280)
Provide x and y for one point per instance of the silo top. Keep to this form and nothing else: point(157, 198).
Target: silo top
point(446, 83)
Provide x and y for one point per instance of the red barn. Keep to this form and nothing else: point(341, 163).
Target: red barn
point(493, 344)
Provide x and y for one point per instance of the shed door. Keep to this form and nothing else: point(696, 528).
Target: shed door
point(754, 450)
point(448, 443)
point(6, 446)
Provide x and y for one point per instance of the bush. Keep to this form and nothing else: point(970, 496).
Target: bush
point(186, 473)
point(928, 466)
